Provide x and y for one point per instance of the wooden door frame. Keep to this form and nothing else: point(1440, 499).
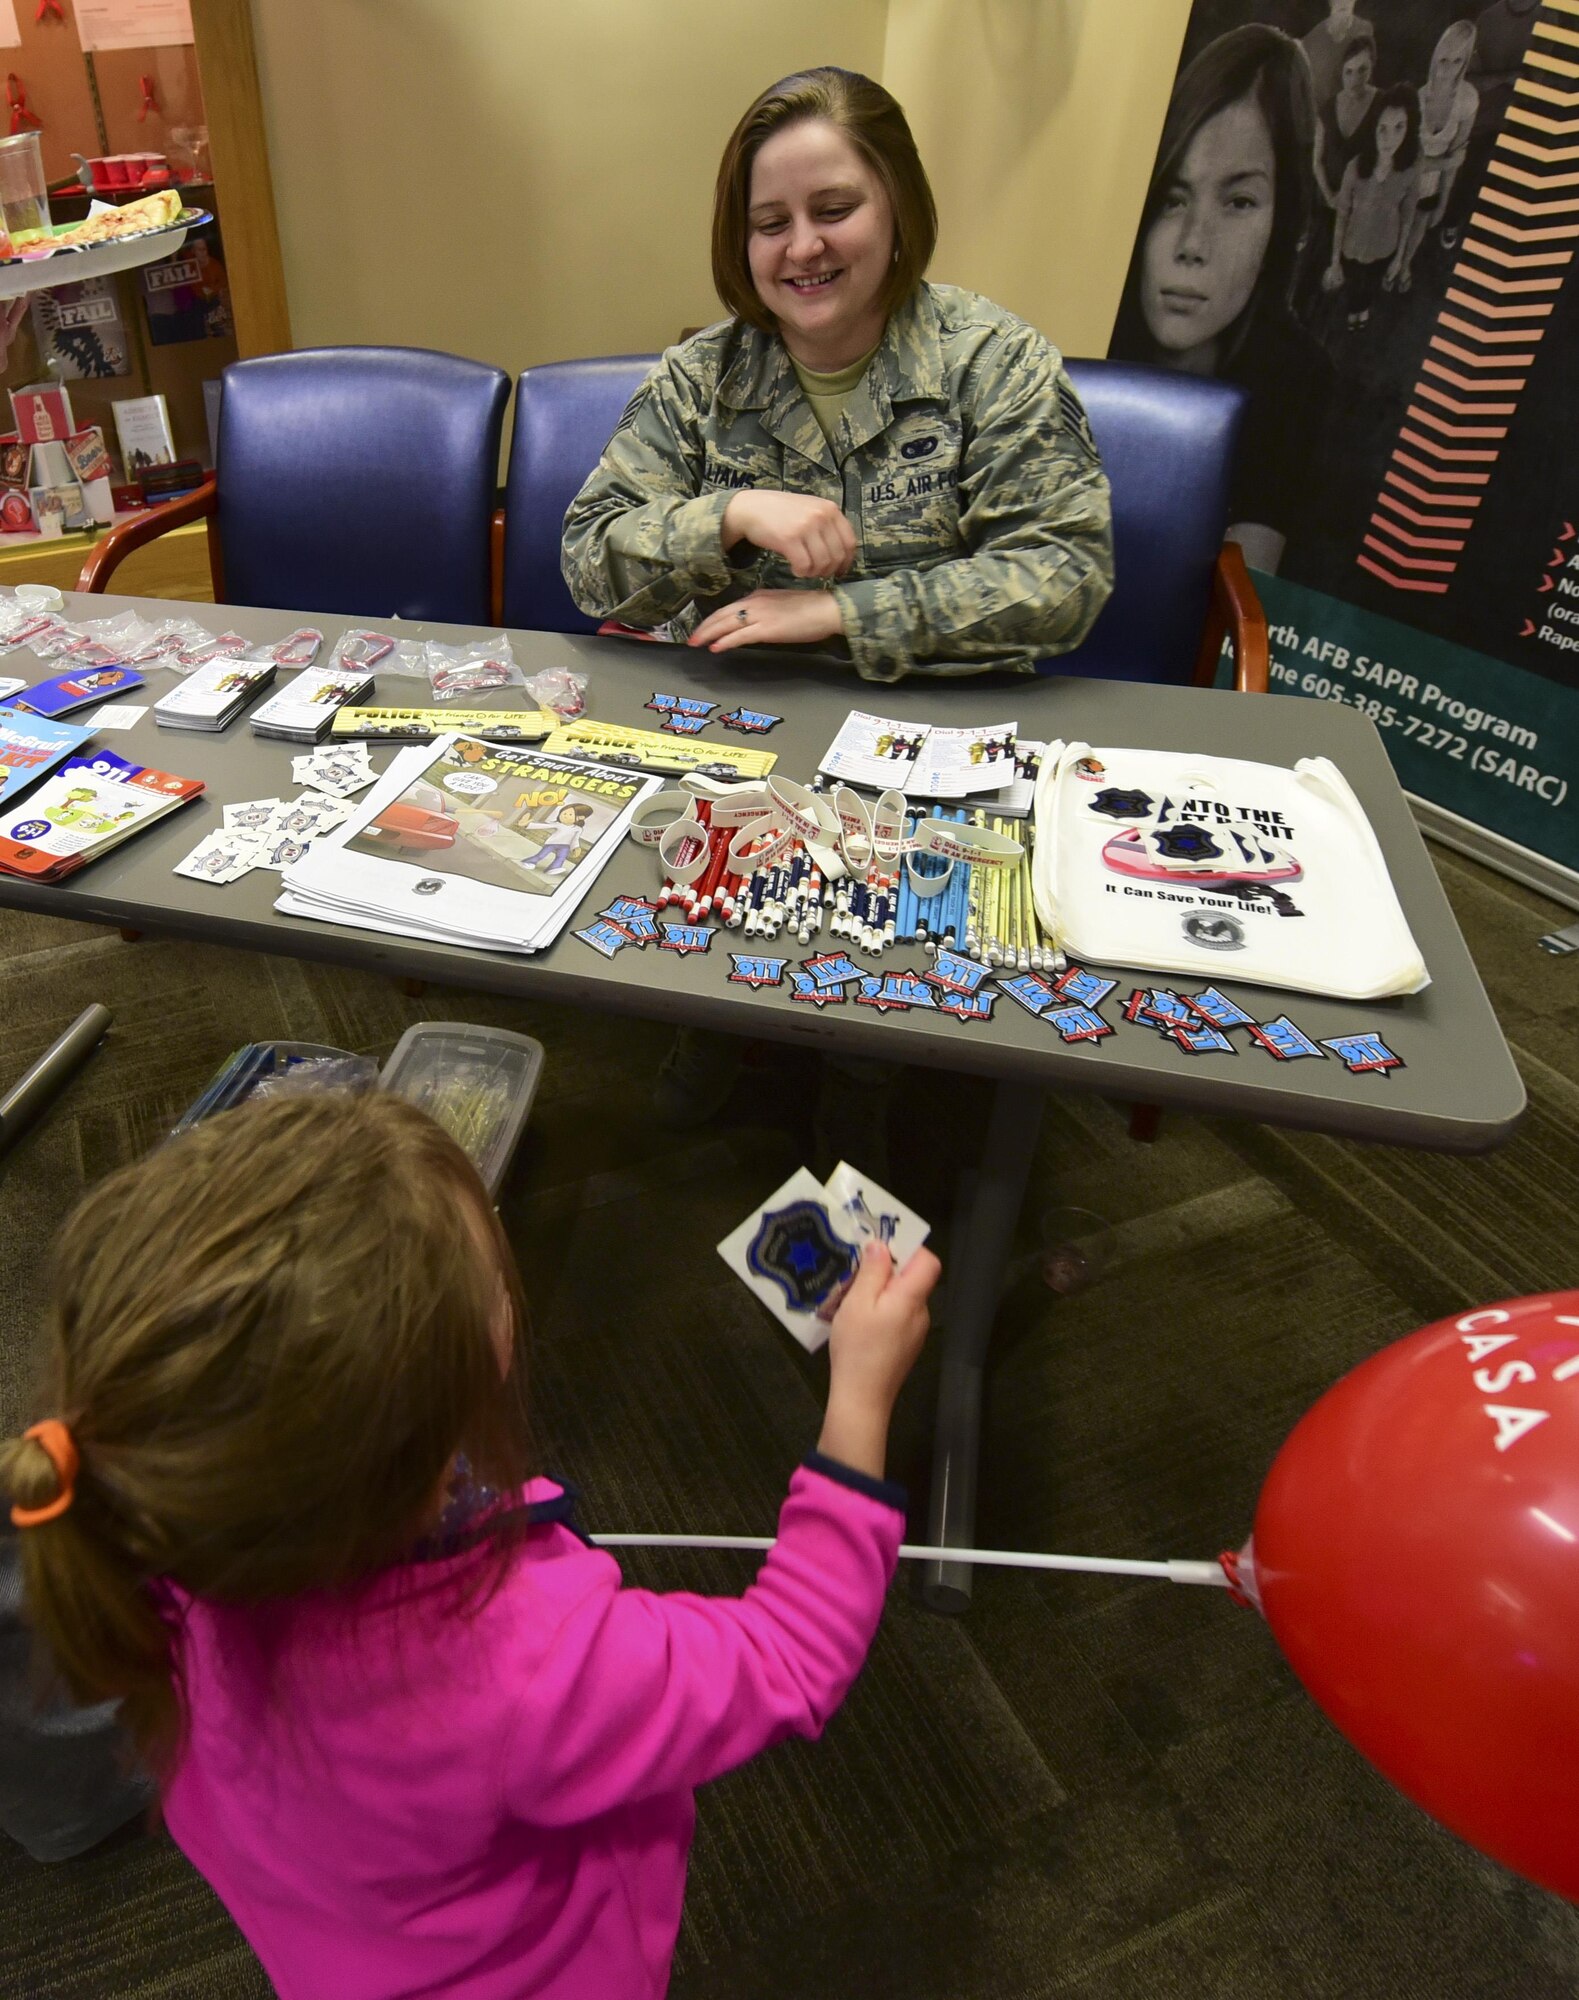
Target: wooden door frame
point(227, 67)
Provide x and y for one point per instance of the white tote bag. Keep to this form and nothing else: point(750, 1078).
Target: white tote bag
point(1218, 868)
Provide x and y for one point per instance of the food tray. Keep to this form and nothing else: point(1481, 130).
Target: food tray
point(478, 1083)
point(39, 271)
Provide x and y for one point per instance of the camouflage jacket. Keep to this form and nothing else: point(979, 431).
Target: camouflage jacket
point(963, 461)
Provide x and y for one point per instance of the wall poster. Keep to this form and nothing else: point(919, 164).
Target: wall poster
point(1366, 213)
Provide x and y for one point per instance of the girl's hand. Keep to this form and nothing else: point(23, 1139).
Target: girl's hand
point(813, 536)
point(878, 1331)
point(770, 618)
point(1332, 278)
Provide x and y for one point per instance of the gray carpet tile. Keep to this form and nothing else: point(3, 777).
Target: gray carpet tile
point(1088, 1786)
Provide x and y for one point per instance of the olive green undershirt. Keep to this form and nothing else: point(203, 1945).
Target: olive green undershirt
point(828, 394)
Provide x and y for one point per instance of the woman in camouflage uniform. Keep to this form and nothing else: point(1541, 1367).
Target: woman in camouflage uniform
point(857, 459)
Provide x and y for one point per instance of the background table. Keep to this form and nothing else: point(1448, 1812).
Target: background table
point(1459, 1089)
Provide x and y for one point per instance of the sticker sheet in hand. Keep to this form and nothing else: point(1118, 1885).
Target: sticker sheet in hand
point(1177, 862)
point(800, 1250)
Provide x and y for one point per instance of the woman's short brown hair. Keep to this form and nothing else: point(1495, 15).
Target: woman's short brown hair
point(874, 124)
point(268, 1339)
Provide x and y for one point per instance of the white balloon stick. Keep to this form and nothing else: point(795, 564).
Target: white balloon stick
point(1208, 1573)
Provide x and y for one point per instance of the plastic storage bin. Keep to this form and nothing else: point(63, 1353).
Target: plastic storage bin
point(478, 1083)
point(249, 1066)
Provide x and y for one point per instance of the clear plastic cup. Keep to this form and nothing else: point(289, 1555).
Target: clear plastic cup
point(24, 197)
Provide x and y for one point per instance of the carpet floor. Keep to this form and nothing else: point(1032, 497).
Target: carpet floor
point(1097, 1789)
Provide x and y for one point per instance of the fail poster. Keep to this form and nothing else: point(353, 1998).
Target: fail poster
point(1366, 213)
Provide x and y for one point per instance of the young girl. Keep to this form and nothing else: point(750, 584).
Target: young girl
point(406, 1720)
point(1376, 205)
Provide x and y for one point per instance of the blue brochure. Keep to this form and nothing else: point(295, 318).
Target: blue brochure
point(30, 746)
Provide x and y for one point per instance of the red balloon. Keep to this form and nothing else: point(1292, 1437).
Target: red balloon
point(1416, 1553)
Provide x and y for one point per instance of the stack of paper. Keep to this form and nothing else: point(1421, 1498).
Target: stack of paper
point(921, 761)
point(90, 805)
point(304, 708)
point(212, 696)
point(468, 842)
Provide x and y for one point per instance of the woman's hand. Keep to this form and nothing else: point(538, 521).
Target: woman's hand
point(813, 536)
point(878, 1331)
point(1332, 278)
point(770, 618)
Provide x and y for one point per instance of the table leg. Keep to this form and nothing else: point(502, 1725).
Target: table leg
point(985, 1213)
point(30, 1095)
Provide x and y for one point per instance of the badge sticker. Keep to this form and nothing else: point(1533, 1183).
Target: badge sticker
point(635, 919)
point(967, 1006)
point(1282, 1039)
point(804, 987)
point(1083, 987)
point(832, 968)
point(1203, 1040)
point(1218, 1009)
point(756, 972)
point(1157, 1007)
point(1365, 1054)
point(605, 937)
point(1117, 804)
point(1078, 1024)
point(957, 974)
point(680, 704)
point(750, 721)
point(1032, 993)
point(685, 938)
point(895, 992)
point(796, 1249)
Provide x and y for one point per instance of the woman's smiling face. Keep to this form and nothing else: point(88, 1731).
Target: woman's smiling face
point(820, 242)
point(1209, 238)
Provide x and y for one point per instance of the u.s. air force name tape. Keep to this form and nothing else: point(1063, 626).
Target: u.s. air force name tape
point(952, 840)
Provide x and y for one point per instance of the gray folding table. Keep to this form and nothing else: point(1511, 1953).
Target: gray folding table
point(1459, 1090)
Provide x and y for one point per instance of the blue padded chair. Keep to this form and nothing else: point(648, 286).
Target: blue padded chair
point(1167, 442)
point(358, 480)
point(565, 413)
point(1166, 439)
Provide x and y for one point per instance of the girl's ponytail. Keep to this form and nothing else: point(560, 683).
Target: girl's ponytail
point(272, 1338)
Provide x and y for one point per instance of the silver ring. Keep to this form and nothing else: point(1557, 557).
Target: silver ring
point(743, 615)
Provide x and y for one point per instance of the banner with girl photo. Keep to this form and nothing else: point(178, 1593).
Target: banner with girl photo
point(1366, 214)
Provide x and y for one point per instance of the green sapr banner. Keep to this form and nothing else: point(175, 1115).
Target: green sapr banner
point(1367, 216)
point(1493, 744)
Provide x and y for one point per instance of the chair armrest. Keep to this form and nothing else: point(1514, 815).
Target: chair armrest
point(112, 549)
point(496, 568)
point(1234, 613)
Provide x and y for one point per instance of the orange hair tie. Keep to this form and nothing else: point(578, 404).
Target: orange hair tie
point(53, 1435)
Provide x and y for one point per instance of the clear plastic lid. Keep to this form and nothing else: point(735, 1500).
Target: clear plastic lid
point(478, 1083)
point(270, 1068)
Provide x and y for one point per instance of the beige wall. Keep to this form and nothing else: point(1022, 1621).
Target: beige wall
point(1038, 121)
point(519, 180)
point(523, 180)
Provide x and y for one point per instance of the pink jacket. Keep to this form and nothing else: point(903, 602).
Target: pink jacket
point(500, 1806)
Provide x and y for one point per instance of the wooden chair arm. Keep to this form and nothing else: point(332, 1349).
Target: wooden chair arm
point(496, 567)
point(113, 548)
point(1234, 613)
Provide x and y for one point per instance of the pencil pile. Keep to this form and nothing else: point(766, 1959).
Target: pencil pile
point(985, 910)
point(787, 894)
